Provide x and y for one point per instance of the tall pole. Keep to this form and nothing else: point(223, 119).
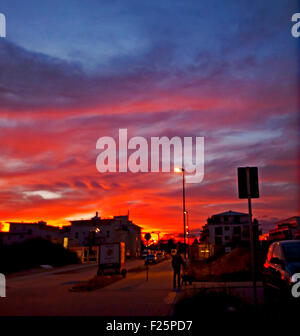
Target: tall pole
point(188, 231)
point(147, 237)
point(147, 269)
point(252, 247)
point(183, 201)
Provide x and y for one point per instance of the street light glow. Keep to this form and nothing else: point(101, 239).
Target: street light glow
point(177, 170)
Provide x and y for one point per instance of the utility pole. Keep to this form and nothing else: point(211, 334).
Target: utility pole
point(188, 230)
point(248, 188)
point(252, 245)
point(147, 237)
point(181, 170)
point(183, 201)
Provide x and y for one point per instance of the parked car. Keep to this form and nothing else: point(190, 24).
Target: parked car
point(151, 258)
point(145, 253)
point(159, 255)
point(282, 262)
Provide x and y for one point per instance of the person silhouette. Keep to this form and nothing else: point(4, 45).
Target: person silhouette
point(177, 261)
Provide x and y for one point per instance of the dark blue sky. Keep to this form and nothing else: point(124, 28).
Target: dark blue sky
point(98, 33)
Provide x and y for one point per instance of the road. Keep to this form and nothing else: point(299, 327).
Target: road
point(47, 294)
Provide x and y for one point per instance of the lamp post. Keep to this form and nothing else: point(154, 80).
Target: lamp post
point(92, 240)
point(147, 237)
point(181, 170)
point(188, 230)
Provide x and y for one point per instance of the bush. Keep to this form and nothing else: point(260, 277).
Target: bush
point(32, 253)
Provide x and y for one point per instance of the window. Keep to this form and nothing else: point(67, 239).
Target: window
point(277, 252)
point(292, 251)
point(219, 230)
point(29, 231)
point(107, 234)
point(218, 240)
point(237, 230)
point(217, 219)
point(246, 235)
point(76, 234)
point(227, 238)
point(227, 228)
point(246, 229)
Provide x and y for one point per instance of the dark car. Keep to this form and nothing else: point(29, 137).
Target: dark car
point(283, 261)
point(151, 258)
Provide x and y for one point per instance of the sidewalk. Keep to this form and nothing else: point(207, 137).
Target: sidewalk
point(242, 289)
point(232, 284)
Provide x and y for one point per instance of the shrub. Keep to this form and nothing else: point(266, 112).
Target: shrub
point(32, 253)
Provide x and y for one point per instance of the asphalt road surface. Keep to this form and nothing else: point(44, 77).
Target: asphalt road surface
point(48, 294)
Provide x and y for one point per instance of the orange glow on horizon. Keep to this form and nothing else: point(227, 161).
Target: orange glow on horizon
point(4, 227)
point(154, 200)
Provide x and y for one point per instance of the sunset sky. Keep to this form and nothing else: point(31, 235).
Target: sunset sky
point(73, 71)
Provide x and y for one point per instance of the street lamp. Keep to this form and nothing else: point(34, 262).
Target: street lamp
point(92, 238)
point(187, 228)
point(181, 170)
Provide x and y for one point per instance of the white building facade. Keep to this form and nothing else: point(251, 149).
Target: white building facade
point(228, 227)
point(88, 232)
point(96, 230)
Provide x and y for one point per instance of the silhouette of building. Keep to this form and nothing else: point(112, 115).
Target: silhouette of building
point(228, 227)
point(288, 228)
point(20, 231)
point(85, 232)
point(94, 231)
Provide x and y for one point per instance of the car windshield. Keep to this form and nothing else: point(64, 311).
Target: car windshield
point(292, 252)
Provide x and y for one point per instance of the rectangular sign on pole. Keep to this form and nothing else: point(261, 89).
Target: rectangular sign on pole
point(253, 180)
point(248, 188)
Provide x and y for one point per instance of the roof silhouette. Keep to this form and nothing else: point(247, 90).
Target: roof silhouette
point(231, 213)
